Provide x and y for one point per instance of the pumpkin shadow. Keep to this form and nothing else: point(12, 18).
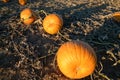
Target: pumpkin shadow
point(8, 60)
point(108, 36)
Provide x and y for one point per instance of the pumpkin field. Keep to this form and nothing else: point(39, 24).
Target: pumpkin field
point(59, 39)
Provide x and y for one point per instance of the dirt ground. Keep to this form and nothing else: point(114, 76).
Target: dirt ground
point(28, 52)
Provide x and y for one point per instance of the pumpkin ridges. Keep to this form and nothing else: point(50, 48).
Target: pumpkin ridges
point(82, 51)
point(51, 28)
point(88, 50)
point(83, 56)
point(27, 13)
point(27, 16)
point(56, 18)
point(53, 19)
point(68, 60)
point(22, 2)
point(78, 67)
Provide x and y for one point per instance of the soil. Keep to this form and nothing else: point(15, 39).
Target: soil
point(28, 52)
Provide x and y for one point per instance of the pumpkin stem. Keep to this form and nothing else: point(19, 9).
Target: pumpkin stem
point(27, 18)
point(107, 16)
point(54, 61)
point(101, 74)
point(42, 11)
point(64, 36)
point(42, 57)
point(91, 77)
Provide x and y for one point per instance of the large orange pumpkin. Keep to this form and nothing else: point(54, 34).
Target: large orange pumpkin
point(52, 23)
point(22, 2)
point(76, 59)
point(116, 16)
point(27, 16)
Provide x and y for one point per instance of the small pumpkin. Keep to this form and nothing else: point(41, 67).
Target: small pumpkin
point(22, 2)
point(27, 16)
point(52, 23)
point(5, 1)
point(76, 59)
point(116, 16)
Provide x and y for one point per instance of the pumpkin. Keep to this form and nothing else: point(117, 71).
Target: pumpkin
point(52, 23)
point(27, 16)
point(76, 59)
point(116, 16)
point(22, 2)
point(5, 1)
